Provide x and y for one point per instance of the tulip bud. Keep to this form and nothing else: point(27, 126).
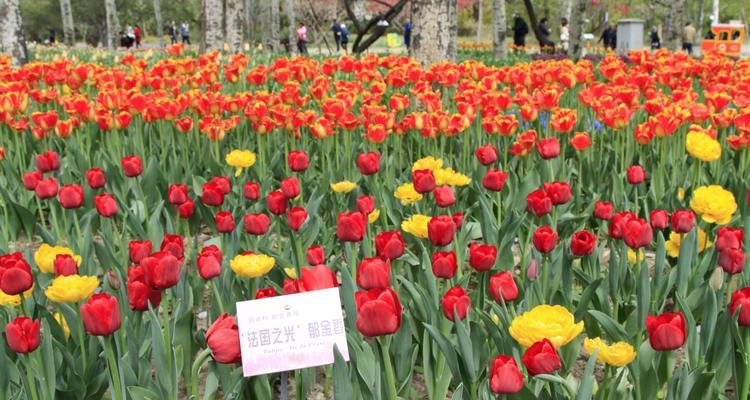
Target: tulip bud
point(113, 281)
point(716, 281)
point(532, 270)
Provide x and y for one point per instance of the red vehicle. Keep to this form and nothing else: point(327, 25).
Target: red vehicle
point(727, 39)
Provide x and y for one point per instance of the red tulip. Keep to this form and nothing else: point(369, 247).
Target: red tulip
point(315, 255)
point(603, 210)
point(298, 160)
point(541, 358)
point(368, 163)
point(132, 166)
point(558, 192)
point(389, 244)
point(617, 225)
point(290, 187)
point(365, 204)
point(683, 221)
point(65, 265)
point(482, 256)
point(503, 286)
point(178, 194)
point(582, 243)
point(456, 302)
point(548, 148)
point(538, 202)
point(257, 224)
point(423, 180)
point(31, 180)
point(22, 335)
point(317, 278)
point(486, 154)
point(224, 222)
point(378, 312)
point(223, 338)
point(209, 262)
point(732, 261)
point(70, 196)
point(186, 209)
point(262, 293)
point(666, 331)
point(441, 230)
point(636, 174)
point(105, 205)
point(729, 238)
point(223, 183)
point(444, 196)
point(276, 202)
point(47, 162)
point(373, 273)
point(46, 188)
point(494, 180)
point(444, 264)
point(140, 295)
point(101, 315)
point(96, 178)
point(251, 191)
point(659, 219)
point(296, 217)
point(544, 239)
point(637, 233)
point(351, 226)
point(741, 300)
point(458, 219)
point(505, 377)
point(174, 245)
point(162, 270)
point(212, 195)
point(15, 274)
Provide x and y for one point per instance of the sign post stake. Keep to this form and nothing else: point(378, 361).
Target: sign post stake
point(284, 385)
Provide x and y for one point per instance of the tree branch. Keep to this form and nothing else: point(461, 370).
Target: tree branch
point(360, 43)
point(349, 13)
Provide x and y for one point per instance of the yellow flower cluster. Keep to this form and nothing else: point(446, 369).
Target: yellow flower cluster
point(633, 257)
point(674, 242)
point(343, 186)
point(373, 216)
point(714, 204)
point(407, 194)
point(7, 300)
point(447, 176)
point(240, 159)
point(617, 354)
point(252, 265)
point(554, 323)
point(416, 225)
point(71, 288)
point(45, 257)
point(702, 146)
point(428, 162)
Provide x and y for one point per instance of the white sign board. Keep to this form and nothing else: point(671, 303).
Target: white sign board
point(290, 332)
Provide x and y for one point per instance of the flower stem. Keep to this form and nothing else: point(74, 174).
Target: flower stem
point(114, 371)
point(200, 360)
point(81, 339)
point(390, 379)
point(30, 381)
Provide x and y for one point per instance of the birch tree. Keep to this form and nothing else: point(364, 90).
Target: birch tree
point(159, 22)
point(432, 24)
point(113, 24)
point(233, 16)
point(674, 23)
point(213, 32)
point(275, 25)
point(11, 31)
point(499, 28)
point(292, 20)
point(577, 18)
point(66, 12)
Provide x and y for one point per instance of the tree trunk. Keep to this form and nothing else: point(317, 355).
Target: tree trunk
point(250, 21)
point(66, 12)
point(532, 20)
point(577, 18)
point(233, 16)
point(479, 20)
point(674, 23)
point(159, 22)
point(213, 34)
point(275, 26)
point(716, 12)
point(292, 20)
point(499, 29)
point(699, 24)
point(432, 22)
point(113, 24)
point(452, 29)
point(11, 31)
point(568, 9)
point(358, 7)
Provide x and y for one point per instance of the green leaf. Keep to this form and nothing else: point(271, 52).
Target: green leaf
point(586, 388)
point(613, 329)
point(342, 384)
point(141, 393)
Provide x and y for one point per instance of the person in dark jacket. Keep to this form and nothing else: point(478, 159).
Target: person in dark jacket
point(655, 41)
point(544, 36)
point(609, 37)
point(520, 30)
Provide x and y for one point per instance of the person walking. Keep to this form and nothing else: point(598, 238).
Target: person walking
point(688, 37)
point(185, 33)
point(407, 35)
point(520, 30)
point(344, 39)
point(564, 35)
point(544, 36)
point(302, 38)
point(609, 37)
point(655, 41)
point(336, 28)
point(173, 33)
point(137, 33)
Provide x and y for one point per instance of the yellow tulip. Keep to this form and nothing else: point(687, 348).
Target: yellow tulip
point(240, 159)
point(714, 204)
point(252, 265)
point(674, 242)
point(555, 323)
point(373, 216)
point(617, 354)
point(428, 162)
point(702, 146)
point(416, 225)
point(407, 194)
point(71, 288)
point(45, 257)
point(63, 324)
point(13, 300)
point(343, 186)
